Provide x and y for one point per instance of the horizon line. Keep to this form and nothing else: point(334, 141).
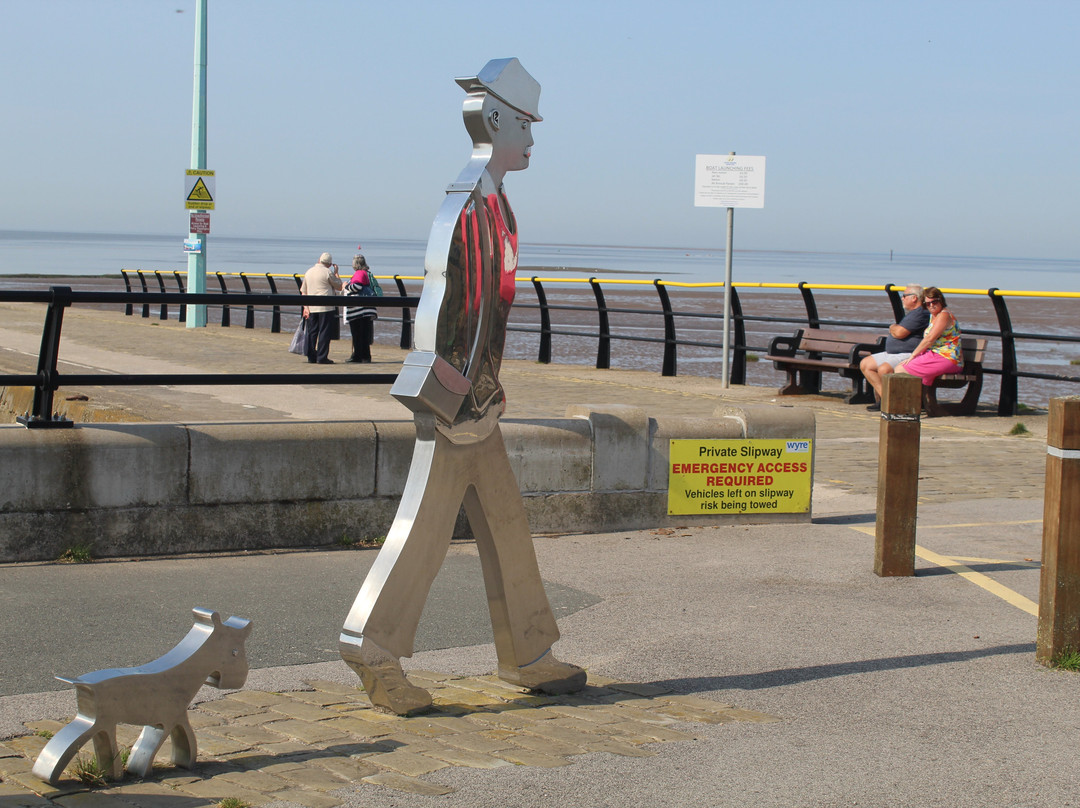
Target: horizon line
point(719, 249)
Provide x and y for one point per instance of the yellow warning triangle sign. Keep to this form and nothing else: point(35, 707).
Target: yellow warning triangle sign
point(200, 193)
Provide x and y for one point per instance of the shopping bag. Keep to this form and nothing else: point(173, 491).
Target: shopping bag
point(299, 338)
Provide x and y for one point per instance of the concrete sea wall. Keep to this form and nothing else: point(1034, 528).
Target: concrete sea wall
point(141, 489)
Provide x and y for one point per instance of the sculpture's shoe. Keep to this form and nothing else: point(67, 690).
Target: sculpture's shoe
point(382, 677)
point(547, 674)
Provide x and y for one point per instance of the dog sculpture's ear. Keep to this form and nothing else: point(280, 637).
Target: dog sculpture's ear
point(241, 624)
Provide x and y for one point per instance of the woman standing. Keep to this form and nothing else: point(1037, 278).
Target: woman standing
point(361, 319)
point(939, 352)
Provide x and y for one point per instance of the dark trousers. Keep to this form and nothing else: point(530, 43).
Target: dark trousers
point(319, 327)
point(363, 334)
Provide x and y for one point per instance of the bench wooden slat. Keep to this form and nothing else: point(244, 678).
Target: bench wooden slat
point(824, 364)
point(813, 351)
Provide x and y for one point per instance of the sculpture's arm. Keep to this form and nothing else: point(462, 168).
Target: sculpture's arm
point(434, 377)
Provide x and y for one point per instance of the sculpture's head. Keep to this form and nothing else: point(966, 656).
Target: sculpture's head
point(499, 113)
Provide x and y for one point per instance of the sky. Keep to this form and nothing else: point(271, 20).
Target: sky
point(939, 128)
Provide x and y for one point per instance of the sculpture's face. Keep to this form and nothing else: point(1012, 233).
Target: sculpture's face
point(512, 139)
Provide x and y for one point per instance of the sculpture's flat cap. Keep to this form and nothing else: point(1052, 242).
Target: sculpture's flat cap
point(508, 81)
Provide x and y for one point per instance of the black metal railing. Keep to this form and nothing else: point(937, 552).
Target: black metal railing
point(605, 333)
point(251, 308)
point(48, 379)
point(1009, 372)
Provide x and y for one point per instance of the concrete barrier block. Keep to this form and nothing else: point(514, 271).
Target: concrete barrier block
point(775, 421)
point(92, 466)
point(664, 430)
point(771, 420)
point(620, 435)
point(550, 455)
point(281, 462)
point(396, 440)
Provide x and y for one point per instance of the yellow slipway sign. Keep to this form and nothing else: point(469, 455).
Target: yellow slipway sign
point(199, 189)
point(739, 476)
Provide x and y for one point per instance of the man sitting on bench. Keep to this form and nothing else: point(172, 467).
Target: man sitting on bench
point(902, 339)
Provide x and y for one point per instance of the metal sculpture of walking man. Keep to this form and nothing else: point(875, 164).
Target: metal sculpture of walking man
point(451, 383)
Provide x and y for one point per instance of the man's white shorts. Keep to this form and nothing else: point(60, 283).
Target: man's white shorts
point(890, 359)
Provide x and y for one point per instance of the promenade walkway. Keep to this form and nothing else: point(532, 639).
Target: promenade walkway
point(728, 666)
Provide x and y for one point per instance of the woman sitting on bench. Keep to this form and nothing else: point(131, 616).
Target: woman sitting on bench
point(939, 352)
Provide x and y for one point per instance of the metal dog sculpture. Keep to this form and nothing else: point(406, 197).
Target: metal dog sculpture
point(155, 695)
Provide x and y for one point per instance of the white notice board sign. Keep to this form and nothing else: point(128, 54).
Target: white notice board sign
point(729, 181)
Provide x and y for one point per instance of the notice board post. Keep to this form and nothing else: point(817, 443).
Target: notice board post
point(727, 181)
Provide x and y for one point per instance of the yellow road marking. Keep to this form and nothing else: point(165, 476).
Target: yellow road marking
point(1032, 564)
point(986, 582)
point(977, 578)
point(982, 524)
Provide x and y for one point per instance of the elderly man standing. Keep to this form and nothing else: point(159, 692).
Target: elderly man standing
point(902, 339)
point(320, 281)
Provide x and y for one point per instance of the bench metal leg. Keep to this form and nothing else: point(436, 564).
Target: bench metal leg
point(970, 400)
point(859, 392)
point(792, 388)
point(811, 381)
point(965, 406)
point(930, 404)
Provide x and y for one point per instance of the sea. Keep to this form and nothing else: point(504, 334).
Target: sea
point(25, 252)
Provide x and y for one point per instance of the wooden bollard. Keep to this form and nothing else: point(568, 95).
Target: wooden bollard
point(1059, 583)
point(898, 475)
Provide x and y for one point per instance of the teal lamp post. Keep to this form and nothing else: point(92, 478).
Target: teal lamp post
point(196, 317)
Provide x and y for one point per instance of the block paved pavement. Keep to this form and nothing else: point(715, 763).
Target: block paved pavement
point(307, 746)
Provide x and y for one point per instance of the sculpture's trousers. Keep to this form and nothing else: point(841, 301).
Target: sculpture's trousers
point(442, 476)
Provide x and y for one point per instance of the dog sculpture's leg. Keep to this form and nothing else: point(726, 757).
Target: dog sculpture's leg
point(184, 746)
point(62, 747)
point(145, 749)
point(108, 755)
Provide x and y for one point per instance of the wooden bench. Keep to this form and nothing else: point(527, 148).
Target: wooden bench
point(812, 351)
point(970, 375)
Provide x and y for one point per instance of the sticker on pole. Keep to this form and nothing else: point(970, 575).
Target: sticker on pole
point(199, 189)
point(199, 222)
point(740, 476)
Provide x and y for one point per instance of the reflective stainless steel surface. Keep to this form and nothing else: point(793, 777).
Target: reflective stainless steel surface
point(451, 382)
point(155, 695)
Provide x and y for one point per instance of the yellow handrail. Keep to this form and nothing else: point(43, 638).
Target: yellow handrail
point(841, 287)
